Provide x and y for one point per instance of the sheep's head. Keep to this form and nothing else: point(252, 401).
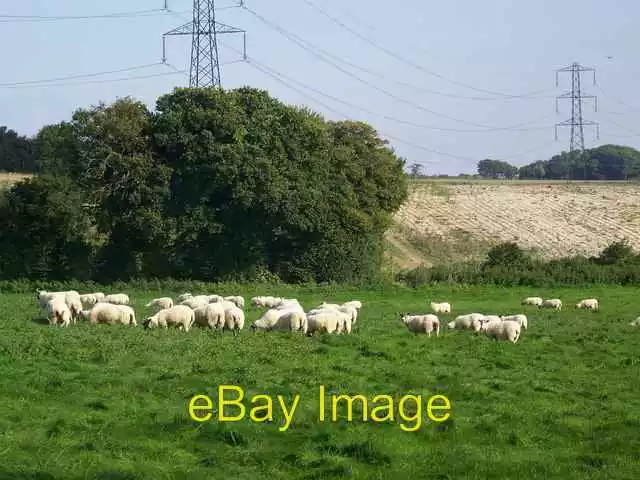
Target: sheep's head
point(150, 322)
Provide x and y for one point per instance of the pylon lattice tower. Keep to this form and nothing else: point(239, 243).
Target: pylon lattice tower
point(576, 122)
point(204, 30)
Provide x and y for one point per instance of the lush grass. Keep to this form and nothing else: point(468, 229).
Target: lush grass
point(111, 402)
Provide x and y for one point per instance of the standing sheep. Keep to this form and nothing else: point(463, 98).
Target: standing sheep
point(470, 321)
point(589, 304)
point(443, 307)
point(507, 330)
point(117, 299)
point(237, 299)
point(425, 323)
point(210, 316)
point(234, 319)
point(58, 311)
point(179, 316)
point(111, 314)
point(554, 303)
point(520, 319)
point(535, 301)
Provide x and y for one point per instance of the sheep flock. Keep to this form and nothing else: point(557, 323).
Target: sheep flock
point(216, 312)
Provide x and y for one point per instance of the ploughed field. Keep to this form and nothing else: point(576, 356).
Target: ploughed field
point(556, 219)
point(112, 401)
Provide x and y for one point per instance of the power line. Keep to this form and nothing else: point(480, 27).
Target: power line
point(281, 78)
point(55, 18)
point(321, 54)
point(404, 60)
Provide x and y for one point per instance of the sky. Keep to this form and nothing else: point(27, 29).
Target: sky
point(448, 83)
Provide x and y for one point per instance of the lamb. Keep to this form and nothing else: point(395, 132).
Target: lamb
point(470, 321)
point(443, 307)
point(234, 319)
point(507, 330)
point(179, 316)
point(117, 299)
point(162, 302)
point(58, 312)
point(421, 323)
point(589, 304)
point(554, 303)
point(519, 318)
point(536, 301)
point(237, 299)
point(111, 314)
point(211, 315)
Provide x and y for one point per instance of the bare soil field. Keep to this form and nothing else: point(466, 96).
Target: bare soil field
point(553, 219)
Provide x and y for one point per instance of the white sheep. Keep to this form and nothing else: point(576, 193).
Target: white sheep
point(326, 321)
point(196, 302)
point(162, 302)
point(214, 298)
point(88, 299)
point(554, 303)
point(210, 316)
point(636, 322)
point(334, 306)
point(469, 321)
point(75, 305)
point(58, 311)
point(443, 307)
point(179, 316)
point(184, 296)
point(536, 301)
point(357, 304)
point(589, 304)
point(237, 299)
point(279, 319)
point(111, 314)
point(499, 330)
point(519, 318)
point(234, 319)
point(491, 318)
point(421, 323)
point(116, 299)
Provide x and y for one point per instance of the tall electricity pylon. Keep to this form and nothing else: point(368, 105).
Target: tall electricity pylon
point(576, 122)
point(204, 31)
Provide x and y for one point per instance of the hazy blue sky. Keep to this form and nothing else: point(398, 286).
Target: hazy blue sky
point(507, 46)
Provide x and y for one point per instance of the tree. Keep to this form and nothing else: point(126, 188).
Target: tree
point(416, 170)
point(496, 169)
point(16, 152)
point(46, 232)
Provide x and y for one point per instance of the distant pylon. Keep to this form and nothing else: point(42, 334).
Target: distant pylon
point(577, 122)
point(204, 30)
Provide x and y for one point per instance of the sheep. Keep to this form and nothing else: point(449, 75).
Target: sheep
point(554, 303)
point(184, 296)
point(344, 322)
point(273, 319)
point(519, 318)
point(196, 302)
point(268, 302)
point(351, 311)
point(491, 318)
point(471, 321)
point(58, 311)
point(335, 306)
point(111, 314)
point(327, 321)
point(421, 323)
point(443, 307)
point(99, 296)
point(179, 316)
point(211, 315)
point(88, 299)
point(162, 302)
point(75, 305)
point(116, 299)
point(237, 299)
point(589, 304)
point(535, 301)
point(507, 330)
point(636, 322)
point(215, 298)
point(357, 304)
point(43, 296)
point(234, 319)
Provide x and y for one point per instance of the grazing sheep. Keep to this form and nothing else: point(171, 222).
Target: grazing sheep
point(117, 299)
point(58, 311)
point(179, 316)
point(196, 302)
point(554, 303)
point(74, 304)
point(636, 322)
point(237, 299)
point(351, 311)
point(111, 314)
point(280, 319)
point(334, 306)
point(268, 302)
point(326, 321)
point(589, 304)
point(507, 330)
point(184, 296)
point(214, 298)
point(234, 319)
point(357, 304)
point(519, 318)
point(88, 299)
point(210, 316)
point(443, 307)
point(421, 323)
point(162, 302)
point(469, 321)
point(536, 301)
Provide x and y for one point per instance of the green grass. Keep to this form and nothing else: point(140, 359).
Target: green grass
point(111, 402)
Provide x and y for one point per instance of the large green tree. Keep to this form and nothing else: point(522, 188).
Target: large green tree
point(16, 152)
point(489, 168)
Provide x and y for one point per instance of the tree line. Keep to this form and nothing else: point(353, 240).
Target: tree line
point(213, 185)
point(606, 162)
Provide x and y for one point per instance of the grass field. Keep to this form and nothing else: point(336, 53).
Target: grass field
point(111, 402)
point(459, 219)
